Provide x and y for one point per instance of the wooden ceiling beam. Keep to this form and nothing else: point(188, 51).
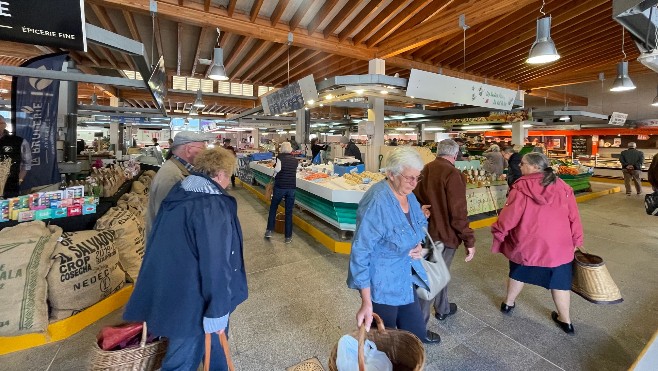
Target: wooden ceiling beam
point(206, 5)
point(132, 26)
point(202, 38)
point(299, 14)
point(255, 9)
point(577, 77)
point(558, 96)
point(476, 11)
point(310, 67)
point(274, 52)
point(281, 76)
point(320, 16)
point(339, 18)
point(426, 14)
point(256, 52)
point(395, 7)
point(235, 52)
point(357, 21)
point(187, 98)
point(231, 7)
point(281, 65)
point(335, 69)
point(400, 18)
point(278, 12)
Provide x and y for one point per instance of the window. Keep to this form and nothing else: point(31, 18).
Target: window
point(224, 87)
point(264, 89)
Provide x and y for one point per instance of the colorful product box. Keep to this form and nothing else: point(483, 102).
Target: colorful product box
point(79, 201)
point(18, 203)
point(75, 191)
point(91, 200)
point(4, 210)
point(88, 209)
point(74, 210)
point(54, 195)
point(42, 214)
point(26, 216)
point(34, 201)
point(67, 202)
point(55, 204)
point(14, 213)
point(61, 212)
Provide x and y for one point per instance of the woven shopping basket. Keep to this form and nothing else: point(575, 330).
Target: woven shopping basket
point(144, 357)
point(403, 348)
point(592, 281)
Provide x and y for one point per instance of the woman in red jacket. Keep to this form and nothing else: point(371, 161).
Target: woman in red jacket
point(538, 231)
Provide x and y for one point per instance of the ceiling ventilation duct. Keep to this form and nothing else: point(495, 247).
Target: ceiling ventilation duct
point(640, 18)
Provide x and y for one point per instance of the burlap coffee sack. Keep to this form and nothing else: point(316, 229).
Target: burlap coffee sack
point(129, 238)
point(25, 252)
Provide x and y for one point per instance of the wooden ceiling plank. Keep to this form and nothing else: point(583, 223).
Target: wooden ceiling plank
point(132, 26)
point(235, 53)
point(256, 52)
point(400, 18)
point(231, 7)
point(310, 67)
point(294, 66)
point(321, 15)
point(357, 21)
point(278, 12)
point(206, 5)
point(255, 9)
point(483, 11)
point(426, 14)
point(558, 96)
point(282, 65)
point(274, 52)
point(202, 37)
point(395, 7)
point(180, 48)
point(340, 18)
point(299, 14)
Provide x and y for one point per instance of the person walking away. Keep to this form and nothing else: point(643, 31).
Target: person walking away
point(227, 144)
point(187, 145)
point(632, 161)
point(513, 159)
point(389, 228)
point(443, 188)
point(285, 184)
point(350, 149)
point(495, 163)
point(193, 275)
point(652, 174)
point(538, 230)
point(316, 156)
point(18, 150)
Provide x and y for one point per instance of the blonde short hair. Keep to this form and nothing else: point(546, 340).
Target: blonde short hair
point(212, 161)
point(285, 147)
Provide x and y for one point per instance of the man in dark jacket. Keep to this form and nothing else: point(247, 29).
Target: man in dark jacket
point(18, 150)
point(193, 273)
point(513, 164)
point(652, 173)
point(443, 188)
point(350, 149)
point(632, 161)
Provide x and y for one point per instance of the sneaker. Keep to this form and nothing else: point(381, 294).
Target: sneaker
point(268, 234)
point(288, 239)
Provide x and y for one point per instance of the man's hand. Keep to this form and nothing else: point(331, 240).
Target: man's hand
point(416, 252)
point(426, 210)
point(470, 253)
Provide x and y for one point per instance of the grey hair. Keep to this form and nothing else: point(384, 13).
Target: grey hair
point(632, 145)
point(403, 158)
point(447, 147)
point(540, 161)
point(493, 148)
point(285, 147)
point(509, 149)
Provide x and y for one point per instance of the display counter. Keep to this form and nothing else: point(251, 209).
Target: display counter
point(334, 203)
point(611, 168)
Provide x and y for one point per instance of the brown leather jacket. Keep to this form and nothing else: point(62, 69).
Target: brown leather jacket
point(444, 188)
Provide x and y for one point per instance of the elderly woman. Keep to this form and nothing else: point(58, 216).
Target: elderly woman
point(285, 183)
point(538, 230)
point(386, 248)
point(193, 275)
point(494, 163)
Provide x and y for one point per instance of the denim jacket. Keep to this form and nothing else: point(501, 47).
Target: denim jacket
point(380, 249)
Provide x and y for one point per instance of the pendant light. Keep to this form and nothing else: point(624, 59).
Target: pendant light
point(622, 82)
point(543, 49)
point(198, 102)
point(217, 71)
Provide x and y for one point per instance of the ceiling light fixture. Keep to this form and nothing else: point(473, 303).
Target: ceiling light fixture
point(217, 71)
point(622, 82)
point(543, 50)
point(198, 102)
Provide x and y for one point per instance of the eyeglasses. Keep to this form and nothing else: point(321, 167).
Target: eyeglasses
point(412, 179)
point(523, 163)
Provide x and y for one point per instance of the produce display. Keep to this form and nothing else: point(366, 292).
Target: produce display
point(363, 178)
point(566, 167)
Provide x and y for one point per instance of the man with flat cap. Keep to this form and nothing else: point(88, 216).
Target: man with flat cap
point(187, 145)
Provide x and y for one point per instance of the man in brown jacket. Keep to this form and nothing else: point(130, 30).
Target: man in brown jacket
point(443, 188)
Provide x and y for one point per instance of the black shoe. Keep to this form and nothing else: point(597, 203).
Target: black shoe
point(506, 308)
point(566, 327)
point(453, 310)
point(432, 338)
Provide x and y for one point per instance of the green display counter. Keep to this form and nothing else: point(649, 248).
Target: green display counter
point(578, 182)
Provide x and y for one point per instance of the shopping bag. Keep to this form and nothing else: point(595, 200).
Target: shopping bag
point(438, 275)
point(317, 159)
point(347, 357)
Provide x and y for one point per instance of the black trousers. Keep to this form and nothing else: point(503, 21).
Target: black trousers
point(404, 317)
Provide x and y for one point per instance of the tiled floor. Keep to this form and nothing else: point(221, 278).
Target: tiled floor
point(299, 306)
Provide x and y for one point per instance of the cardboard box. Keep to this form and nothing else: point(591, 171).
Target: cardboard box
point(67, 202)
point(75, 191)
point(34, 201)
point(13, 214)
point(54, 195)
point(78, 201)
point(91, 200)
point(61, 212)
point(42, 214)
point(4, 210)
point(74, 210)
point(18, 203)
point(55, 204)
point(88, 209)
point(26, 216)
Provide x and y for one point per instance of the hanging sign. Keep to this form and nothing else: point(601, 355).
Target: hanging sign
point(59, 23)
point(291, 97)
point(442, 88)
point(618, 118)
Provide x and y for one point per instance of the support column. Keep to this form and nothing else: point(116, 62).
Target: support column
point(68, 109)
point(518, 133)
point(376, 115)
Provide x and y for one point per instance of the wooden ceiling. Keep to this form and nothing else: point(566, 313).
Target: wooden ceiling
point(338, 37)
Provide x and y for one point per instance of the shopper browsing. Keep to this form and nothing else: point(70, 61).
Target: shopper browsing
point(443, 188)
point(538, 230)
point(632, 161)
point(350, 148)
point(18, 150)
point(513, 159)
point(316, 156)
point(386, 244)
point(495, 163)
point(285, 184)
point(227, 144)
point(193, 276)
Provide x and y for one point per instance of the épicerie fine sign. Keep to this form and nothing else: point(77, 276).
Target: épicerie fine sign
point(58, 23)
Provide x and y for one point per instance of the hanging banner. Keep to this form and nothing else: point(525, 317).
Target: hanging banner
point(442, 88)
point(58, 23)
point(291, 97)
point(34, 109)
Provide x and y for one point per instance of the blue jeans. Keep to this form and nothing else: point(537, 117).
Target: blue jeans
point(186, 354)
point(277, 195)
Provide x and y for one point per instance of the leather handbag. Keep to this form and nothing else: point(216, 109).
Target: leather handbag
point(438, 275)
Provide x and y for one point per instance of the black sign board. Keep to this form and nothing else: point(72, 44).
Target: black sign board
point(58, 23)
point(157, 84)
point(579, 146)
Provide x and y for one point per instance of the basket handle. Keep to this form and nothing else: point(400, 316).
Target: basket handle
point(362, 339)
point(142, 342)
point(227, 352)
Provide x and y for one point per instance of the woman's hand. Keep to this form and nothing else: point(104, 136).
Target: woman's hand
point(364, 315)
point(416, 252)
point(426, 210)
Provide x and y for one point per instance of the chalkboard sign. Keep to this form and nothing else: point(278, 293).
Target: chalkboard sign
point(579, 146)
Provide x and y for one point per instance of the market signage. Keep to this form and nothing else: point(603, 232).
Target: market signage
point(58, 23)
point(618, 119)
point(442, 88)
point(291, 97)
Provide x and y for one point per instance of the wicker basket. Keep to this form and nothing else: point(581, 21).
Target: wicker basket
point(403, 348)
point(145, 357)
point(592, 281)
point(311, 364)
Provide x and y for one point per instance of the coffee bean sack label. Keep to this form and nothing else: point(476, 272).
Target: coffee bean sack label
point(129, 238)
point(25, 252)
point(85, 270)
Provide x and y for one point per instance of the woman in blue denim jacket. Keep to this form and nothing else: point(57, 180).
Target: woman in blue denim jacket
point(386, 248)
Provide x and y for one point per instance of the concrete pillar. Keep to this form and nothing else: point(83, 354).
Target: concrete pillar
point(518, 133)
point(376, 115)
point(68, 114)
point(256, 136)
